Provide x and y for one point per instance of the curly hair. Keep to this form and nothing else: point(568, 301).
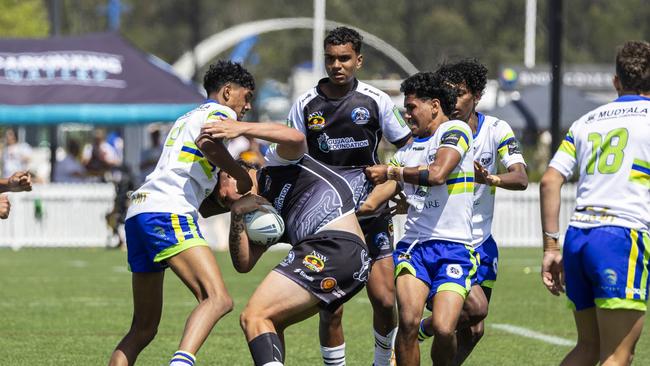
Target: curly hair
point(227, 72)
point(427, 85)
point(633, 66)
point(469, 71)
point(343, 35)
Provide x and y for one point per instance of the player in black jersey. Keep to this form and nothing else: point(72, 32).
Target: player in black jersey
point(329, 261)
point(344, 120)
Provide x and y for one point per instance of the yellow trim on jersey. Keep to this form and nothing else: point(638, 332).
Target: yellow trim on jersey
point(631, 264)
point(640, 173)
point(393, 162)
point(502, 148)
point(568, 145)
point(460, 183)
point(190, 153)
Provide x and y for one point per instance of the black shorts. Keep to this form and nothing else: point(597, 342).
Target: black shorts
point(331, 265)
point(378, 232)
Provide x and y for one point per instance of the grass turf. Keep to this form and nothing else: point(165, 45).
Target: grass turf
point(72, 306)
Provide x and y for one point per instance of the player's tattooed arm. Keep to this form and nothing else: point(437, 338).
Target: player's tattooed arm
point(242, 253)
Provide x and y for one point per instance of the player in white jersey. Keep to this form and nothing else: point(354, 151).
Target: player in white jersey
point(161, 224)
point(434, 261)
point(494, 141)
point(606, 247)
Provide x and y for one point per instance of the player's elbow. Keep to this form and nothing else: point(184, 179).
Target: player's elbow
point(522, 183)
point(437, 179)
point(241, 266)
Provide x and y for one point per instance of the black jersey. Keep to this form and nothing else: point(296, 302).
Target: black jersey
point(308, 195)
point(347, 131)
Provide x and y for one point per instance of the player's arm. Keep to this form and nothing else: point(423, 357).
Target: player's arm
point(244, 255)
point(291, 142)
point(18, 182)
point(376, 199)
point(217, 153)
point(549, 190)
point(516, 179)
point(433, 175)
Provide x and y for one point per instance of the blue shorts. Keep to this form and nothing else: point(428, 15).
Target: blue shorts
point(152, 238)
point(442, 265)
point(606, 266)
point(488, 255)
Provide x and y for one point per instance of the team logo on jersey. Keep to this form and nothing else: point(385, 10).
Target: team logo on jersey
point(315, 121)
point(360, 115)
point(382, 241)
point(288, 259)
point(327, 284)
point(314, 261)
point(323, 143)
point(485, 159)
point(362, 274)
point(454, 271)
point(610, 276)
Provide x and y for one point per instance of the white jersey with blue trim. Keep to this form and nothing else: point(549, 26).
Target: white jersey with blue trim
point(494, 141)
point(441, 212)
point(610, 148)
point(183, 177)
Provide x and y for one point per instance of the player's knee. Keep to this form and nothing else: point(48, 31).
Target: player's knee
point(143, 335)
point(221, 303)
point(332, 318)
point(249, 318)
point(383, 302)
point(409, 323)
point(443, 331)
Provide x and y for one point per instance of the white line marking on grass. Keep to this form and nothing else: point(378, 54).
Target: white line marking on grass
point(529, 333)
point(79, 264)
point(120, 269)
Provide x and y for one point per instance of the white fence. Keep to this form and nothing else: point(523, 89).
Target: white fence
point(73, 215)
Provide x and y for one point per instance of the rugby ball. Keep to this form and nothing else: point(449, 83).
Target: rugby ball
point(264, 228)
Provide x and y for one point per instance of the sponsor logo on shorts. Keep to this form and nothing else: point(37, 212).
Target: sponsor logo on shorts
point(160, 231)
point(362, 274)
point(302, 274)
point(327, 284)
point(404, 257)
point(495, 265)
point(316, 121)
point(288, 259)
point(635, 291)
point(314, 261)
point(610, 276)
point(454, 271)
point(382, 241)
point(360, 115)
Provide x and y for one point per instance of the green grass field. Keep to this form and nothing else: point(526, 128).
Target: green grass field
point(72, 306)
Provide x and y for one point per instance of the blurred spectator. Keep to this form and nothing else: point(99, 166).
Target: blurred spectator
point(70, 169)
point(15, 155)
point(149, 157)
point(102, 157)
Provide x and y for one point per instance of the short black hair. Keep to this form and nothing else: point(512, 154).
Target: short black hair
point(427, 85)
point(343, 35)
point(224, 72)
point(469, 71)
point(633, 66)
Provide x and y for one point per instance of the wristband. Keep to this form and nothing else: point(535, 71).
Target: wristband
point(423, 176)
point(551, 244)
point(555, 236)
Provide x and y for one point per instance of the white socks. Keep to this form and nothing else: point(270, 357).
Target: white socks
point(333, 356)
point(384, 346)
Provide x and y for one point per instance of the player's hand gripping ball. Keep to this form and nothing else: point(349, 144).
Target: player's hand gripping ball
point(264, 227)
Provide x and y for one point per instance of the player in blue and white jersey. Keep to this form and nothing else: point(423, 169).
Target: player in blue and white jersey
point(494, 141)
point(604, 263)
point(434, 262)
point(161, 222)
